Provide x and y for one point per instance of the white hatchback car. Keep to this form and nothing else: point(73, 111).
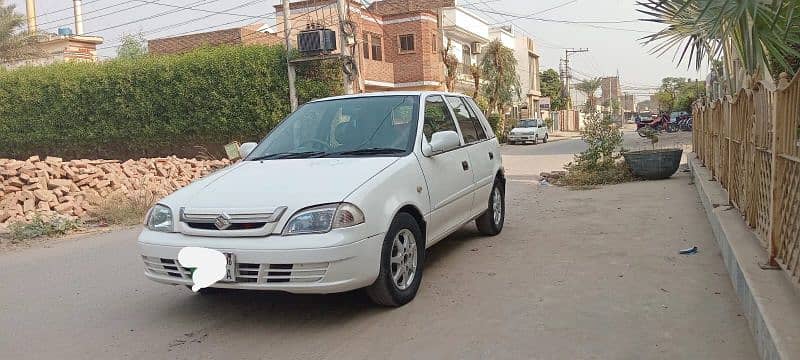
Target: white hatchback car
point(529, 130)
point(346, 193)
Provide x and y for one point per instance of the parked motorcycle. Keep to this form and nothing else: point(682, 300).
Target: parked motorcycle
point(646, 129)
point(685, 124)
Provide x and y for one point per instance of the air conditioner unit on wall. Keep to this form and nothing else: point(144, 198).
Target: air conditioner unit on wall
point(316, 41)
point(476, 47)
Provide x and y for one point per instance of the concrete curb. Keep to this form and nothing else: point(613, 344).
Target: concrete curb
point(768, 298)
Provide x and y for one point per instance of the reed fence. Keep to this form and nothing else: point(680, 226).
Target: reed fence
point(751, 144)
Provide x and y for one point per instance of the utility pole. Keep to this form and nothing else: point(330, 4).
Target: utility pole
point(287, 34)
point(344, 39)
point(77, 8)
point(567, 75)
point(30, 12)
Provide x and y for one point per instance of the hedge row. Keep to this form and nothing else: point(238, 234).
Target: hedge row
point(152, 106)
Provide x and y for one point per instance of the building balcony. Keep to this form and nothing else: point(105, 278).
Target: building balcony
point(463, 25)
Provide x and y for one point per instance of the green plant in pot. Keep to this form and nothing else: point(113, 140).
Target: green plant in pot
point(653, 164)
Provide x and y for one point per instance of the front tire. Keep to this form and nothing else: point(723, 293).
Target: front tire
point(491, 222)
point(402, 257)
point(544, 141)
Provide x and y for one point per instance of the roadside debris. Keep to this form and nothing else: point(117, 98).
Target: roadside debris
point(689, 251)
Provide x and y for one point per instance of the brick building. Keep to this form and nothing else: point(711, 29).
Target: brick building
point(397, 43)
point(245, 35)
point(61, 48)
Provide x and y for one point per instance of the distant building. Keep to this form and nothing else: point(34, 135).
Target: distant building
point(609, 87)
point(61, 48)
point(628, 102)
point(244, 35)
point(654, 103)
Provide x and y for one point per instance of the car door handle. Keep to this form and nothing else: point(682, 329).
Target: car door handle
point(491, 155)
point(465, 165)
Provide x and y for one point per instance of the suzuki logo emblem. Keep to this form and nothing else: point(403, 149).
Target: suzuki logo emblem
point(223, 221)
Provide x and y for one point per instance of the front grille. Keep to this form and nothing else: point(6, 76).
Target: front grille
point(234, 226)
point(280, 273)
point(167, 267)
point(246, 272)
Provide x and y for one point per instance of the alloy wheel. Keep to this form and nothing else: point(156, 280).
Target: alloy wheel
point(403, 259)
point(497, 206)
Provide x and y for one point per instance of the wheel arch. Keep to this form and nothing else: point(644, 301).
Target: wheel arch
point(412, 210)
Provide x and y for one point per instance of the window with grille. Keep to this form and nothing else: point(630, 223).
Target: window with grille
point(434, 47)
point(406, 43)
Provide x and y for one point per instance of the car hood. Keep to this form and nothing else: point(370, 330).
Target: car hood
point(523, 130)
point(294, 183)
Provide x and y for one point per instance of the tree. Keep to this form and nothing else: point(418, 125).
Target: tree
point(476, 73)
point(678, 94)
point(499, 68)
point(15, 44)
point(450, 67)
point(589, 87)
point(550, 85)
point(132, 46)
point(759, 33)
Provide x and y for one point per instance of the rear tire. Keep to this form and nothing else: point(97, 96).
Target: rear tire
point(402, 257)
point(491, 222)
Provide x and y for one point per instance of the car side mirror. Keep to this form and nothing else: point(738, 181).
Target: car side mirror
point(441, 141)
point(246, 148)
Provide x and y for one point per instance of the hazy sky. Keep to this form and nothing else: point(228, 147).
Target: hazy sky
point(612, 49)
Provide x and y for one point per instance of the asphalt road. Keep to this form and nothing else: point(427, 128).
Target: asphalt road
point(574, 275)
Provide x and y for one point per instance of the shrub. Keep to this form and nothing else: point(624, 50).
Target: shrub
point(153, 105)
point(40, 226)
point(125, 208)
point(600, 163)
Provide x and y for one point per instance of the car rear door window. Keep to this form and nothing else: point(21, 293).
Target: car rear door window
point(437, 117)
point(465, 119)
point(482, 122)
point(478, 127)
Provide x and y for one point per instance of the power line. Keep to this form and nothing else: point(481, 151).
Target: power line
point(196, 9)
point(63, 9)
point(172, 26)
point(93, 11)
point(544, 11)
point(202, 2)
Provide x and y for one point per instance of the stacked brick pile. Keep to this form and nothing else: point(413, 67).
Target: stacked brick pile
point(52, 186)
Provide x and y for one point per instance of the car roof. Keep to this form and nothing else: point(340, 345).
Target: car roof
point(389, 93)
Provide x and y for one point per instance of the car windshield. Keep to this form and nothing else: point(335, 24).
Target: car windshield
point(527, 123)
point(359, 126)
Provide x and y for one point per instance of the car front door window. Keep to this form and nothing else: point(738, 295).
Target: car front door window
point(437, 117)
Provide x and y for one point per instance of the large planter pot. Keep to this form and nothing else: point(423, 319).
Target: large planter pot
point(654, 164)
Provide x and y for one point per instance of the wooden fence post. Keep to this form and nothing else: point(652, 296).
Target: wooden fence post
point(775, 193)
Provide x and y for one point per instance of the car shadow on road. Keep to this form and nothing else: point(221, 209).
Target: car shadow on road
point(259, 309)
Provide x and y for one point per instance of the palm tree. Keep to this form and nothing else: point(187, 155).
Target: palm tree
point(15, 44)
point(589, 87)
point(499, 68)
point(758, 33)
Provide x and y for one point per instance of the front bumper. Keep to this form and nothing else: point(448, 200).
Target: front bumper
point(260, 267)
point(521, 137)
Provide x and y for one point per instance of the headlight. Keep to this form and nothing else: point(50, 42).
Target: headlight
point(160, 219)
point(323, 218)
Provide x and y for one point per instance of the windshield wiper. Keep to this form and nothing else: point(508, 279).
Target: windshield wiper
point(370, 151)
point(289, 155)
